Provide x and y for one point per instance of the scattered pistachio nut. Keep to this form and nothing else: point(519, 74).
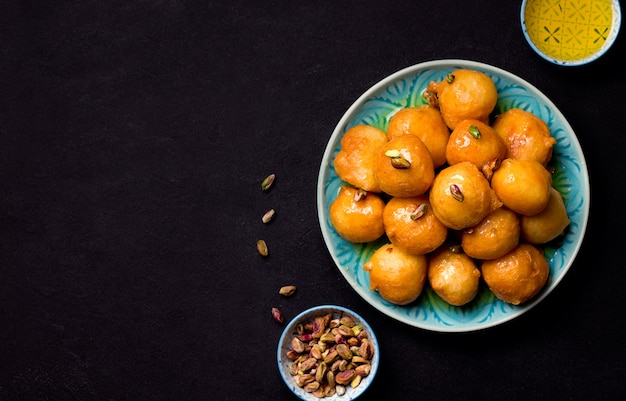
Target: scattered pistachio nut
point(329, 354)
point(277, 315)
point(287, 290)
point(267, 182)
point(268, 216)
point(261, 246)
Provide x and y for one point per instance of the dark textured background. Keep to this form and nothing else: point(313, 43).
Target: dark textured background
point(134, 137)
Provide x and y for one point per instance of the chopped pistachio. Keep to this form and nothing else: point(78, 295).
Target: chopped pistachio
point(400, 163)
point(419, 211)
point(456, 193)
point(474, 131)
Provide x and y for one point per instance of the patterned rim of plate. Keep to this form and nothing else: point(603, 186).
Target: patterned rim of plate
point(608, 37)
point(403, 89)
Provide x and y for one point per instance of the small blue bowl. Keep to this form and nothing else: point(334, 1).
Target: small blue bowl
point(309, 315)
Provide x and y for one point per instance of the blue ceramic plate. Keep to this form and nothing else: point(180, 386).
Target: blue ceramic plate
point(404, 89)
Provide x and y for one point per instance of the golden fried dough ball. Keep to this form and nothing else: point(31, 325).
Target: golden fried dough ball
point(494, 236)
point(465, 94)
point(403, 167)
point(357, 218)
point(461, 196)
point(354, 162)
point(453, 276)
point(549, 223)
point(525, 135)
point(425, 122)
point(476, 142)
point(522, 185)
point(397, 275)
point(517, 276)
point(411, 224)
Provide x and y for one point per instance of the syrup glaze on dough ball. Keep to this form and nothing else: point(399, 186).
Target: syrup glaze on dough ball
point(404, 167)
point(397, 275)
point(525, 135)
point(549, 223)
point(354, 162)
point(465, 94)
point(411, 224)
point(476, 142)
point(357, 218)
point(522, 185)
point(494, 236)
point(461, 196)
point(425, 122)
point(517, 276)
point(453, 276)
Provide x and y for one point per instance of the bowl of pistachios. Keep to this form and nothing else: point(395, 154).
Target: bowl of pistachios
point(328, 352)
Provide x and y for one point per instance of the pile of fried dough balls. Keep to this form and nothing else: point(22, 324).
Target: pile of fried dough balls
point(459, 197)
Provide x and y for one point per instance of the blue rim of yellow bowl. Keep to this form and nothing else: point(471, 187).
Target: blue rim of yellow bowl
point(570, 32)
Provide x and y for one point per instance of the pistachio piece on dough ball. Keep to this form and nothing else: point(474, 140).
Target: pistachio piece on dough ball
point(404, 167)
point(427, 124)
point(461, 196)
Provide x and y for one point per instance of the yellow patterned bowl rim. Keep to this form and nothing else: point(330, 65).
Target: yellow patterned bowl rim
point(570, 32)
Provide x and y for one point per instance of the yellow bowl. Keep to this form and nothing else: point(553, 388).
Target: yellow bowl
point(570, 32)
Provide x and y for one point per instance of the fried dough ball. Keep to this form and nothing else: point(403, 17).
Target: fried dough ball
point(403, 167)
point(453, 276)
point(465, 94)
point(354, 162)
point(525, 135)
point(517, 276)
point(397, 275)
point(425, 122)
point(549, 223)
point(411, 224)
point(476, 142)
point(522, 185)
point(494, 236)
point(357, 218)
point(461, 196)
